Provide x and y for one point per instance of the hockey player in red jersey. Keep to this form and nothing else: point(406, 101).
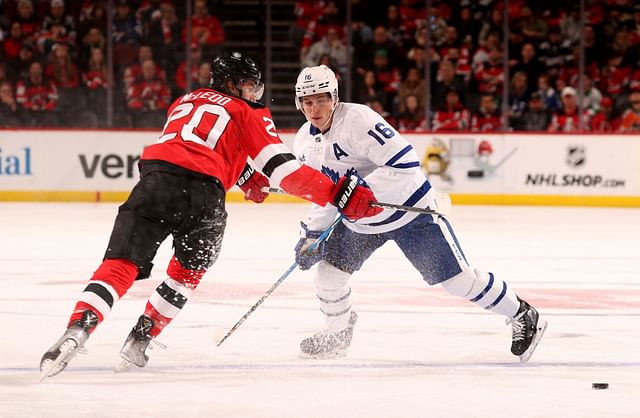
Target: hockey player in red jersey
point(202, 152)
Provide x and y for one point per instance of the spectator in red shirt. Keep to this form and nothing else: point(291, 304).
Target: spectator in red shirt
point(27, 19)
point(320, 24)
point(38, 96)
point(149, 97)
point(615, 76)
point(96, 75)
point(453, 116)
point(602, 119)
point(206, 30)
point(490, 75)
point(304, 11)
point(11, 45)
point(387, 74)
point(132, 72)
point(61, 68)
point(487, 118)
point(181, 73)
point(566, 120)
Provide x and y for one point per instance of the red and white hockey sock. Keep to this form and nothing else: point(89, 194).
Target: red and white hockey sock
point(109, 283)
point(170, 297)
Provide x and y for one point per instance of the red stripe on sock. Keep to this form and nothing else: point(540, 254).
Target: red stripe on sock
point(159, 321)
point(190, 278)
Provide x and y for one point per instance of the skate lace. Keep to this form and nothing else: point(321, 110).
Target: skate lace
point(517, 326)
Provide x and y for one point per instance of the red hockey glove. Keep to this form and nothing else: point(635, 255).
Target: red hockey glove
point(354, 200)
point(251, 183)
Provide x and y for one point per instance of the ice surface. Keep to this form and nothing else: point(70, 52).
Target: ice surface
point(417, 351)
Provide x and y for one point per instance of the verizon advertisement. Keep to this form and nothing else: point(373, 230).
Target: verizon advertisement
point(70, 160)
point(464, 164)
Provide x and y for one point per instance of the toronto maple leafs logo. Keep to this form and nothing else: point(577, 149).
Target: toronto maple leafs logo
point(335, 175)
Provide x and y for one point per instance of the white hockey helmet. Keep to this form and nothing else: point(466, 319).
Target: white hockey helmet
point(315, 80)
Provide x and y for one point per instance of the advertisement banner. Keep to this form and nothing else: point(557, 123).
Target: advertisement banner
point(473, 168)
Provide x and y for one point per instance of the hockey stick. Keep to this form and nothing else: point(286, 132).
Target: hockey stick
point(377, 204)
point(293, 266)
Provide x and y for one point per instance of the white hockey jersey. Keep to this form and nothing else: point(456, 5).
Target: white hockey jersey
point(361, 142)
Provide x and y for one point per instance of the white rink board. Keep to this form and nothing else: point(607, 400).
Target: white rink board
point(546, 165)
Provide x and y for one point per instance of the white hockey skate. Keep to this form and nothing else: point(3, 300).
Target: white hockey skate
point(133, 351)
point(527, 330)
point(328, 344)
point(71, 343)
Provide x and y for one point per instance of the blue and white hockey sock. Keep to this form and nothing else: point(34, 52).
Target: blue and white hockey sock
point(485, 290)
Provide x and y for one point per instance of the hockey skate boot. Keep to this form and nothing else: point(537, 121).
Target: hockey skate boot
point(71, 343)
point(133, 351)
point(328, 344)
point(526, 331)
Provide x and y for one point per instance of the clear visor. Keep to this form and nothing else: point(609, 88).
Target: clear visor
point(250, 90)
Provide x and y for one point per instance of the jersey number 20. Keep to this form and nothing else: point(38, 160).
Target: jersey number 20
point(190, 131)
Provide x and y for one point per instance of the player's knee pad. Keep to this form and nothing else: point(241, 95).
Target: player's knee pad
point(189, 278)
point(330, 278)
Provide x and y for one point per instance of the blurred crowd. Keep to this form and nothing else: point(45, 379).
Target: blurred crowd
point(467, 62)
point(53, 66)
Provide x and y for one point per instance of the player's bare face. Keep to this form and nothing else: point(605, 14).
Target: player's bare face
point(318, 109)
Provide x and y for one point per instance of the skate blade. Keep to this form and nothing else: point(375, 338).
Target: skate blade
point(542, 327)
point(49, 367)
point(124, 366)
point(324, 356)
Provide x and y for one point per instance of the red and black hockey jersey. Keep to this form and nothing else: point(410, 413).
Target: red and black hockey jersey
point(212, 133)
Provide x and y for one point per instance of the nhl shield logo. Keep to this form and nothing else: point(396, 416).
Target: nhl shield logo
point(576, 155)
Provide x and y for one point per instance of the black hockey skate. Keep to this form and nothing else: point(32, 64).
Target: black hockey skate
point(133, 351)
point(329, 344)
point(71, 343)
point(526, 331)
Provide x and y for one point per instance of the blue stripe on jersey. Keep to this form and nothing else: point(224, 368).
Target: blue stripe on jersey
point(455, 239)
point(412, 200)
point(500, 296)
point(485, 290)
point(313, 130)
point(407, 165)
point(399, 155)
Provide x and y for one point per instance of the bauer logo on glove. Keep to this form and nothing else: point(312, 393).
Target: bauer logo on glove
point(353, 199)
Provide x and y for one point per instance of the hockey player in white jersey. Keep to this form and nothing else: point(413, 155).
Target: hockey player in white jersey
point(348, 138)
